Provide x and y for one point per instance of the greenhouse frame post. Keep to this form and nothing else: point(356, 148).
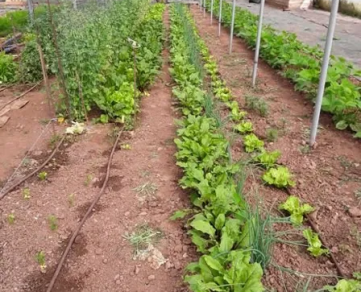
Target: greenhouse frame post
point(258, 43)
point(220, 18)
point(323, 75)
point(232, 26)
point(74, 4)
point(212, 2)
point(31, 10)
point(204, 8)
point(200, 4)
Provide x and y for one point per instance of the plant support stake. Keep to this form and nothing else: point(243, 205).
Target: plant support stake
point(323, 75)
point(220, 18)
point(212, 11)
point(258, 43)
point(232, 26)
point(31, 10)
point(204, 8)
point(200, 4)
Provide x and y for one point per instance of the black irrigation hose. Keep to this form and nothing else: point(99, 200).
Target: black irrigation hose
point(9, 189)
point(315, 229)
point(76, 232)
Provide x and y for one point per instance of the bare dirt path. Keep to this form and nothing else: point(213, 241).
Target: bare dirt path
point(328, 177)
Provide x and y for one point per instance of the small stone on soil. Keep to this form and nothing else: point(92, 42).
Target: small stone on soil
point(151, 277)
point(126, 214)
point(136, 270)
point(355, 212)
point(116, 277)
point(98, 251)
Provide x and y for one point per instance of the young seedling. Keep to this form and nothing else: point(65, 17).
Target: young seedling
point(43, 175)
point(40, 259)
point(147, 189)
point(142, 237)
point(88, 180)
point(257, 104)
point(71, 200)
point(271, 135)
point(26, 194)
point(54, 140)
point(53, 222)
point(11, 218)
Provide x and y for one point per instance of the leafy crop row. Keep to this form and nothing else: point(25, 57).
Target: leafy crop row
point(102, 51)
point(220, 228)
point(301, 64)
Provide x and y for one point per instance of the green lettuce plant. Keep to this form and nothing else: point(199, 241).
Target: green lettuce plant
point(296, 210)
point(314, 243)
point(278, 176)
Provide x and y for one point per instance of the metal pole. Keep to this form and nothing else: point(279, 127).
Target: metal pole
point(31, 10)
point(200, 4)
point(258, 43)
point(212, 11)
point(74, 4)
point(220, 18)
point(323, 75)
point(232, 26)
point(204, 8)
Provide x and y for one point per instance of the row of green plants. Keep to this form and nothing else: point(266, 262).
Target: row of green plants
point(108, 55)
point(103, 50)
point(275, 175)
point(301, 64)
point(219, 226)
point(211, 223)
point(17, 21)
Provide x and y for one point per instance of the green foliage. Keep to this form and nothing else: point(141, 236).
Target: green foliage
point(40, 259)
point(180, 214)
point(271, 135)
point(8, 68)
point(345, 285)
point(98, 52)
point(268, 159)
point(219, 215)
point(294, 207)
point(314, 243)
point(26, 193)
point(43, 175)
point(257, 104)
point(252, 143)
point(244, 127)
point(11, 218)
point(278, 176)
point(53, 222)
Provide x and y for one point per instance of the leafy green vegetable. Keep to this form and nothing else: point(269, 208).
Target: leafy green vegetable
point(268, 159)
point(278, 176)
point(252, 143)
point(296, 209)
point(180, 214)
point(244, 127)
point(314, 243)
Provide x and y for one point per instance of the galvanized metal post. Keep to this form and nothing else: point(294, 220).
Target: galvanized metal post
point(258, 43)
point(323, 75)
point(212, 11)
point(31, 10)
point(74, 4)
point(204, 8)
point(200, 4)
point(232, 26)
point(220, 18)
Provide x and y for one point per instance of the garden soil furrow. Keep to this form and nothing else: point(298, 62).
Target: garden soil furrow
point(328, 177)
point(150, 164)
point(142, 193)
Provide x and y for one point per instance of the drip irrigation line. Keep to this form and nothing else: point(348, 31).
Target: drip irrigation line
point(76, 232)
point(315, 229)
point(27, 154)
point(21, 95)
point(6, 87)
point(33, 172)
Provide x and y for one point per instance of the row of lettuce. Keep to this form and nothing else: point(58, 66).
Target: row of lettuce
point(102, 50)
point(301, 64)
point(219, 226)
point(223, 226)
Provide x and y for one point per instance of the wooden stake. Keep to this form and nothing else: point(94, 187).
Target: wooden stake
point(81, 95)
point(60, 66)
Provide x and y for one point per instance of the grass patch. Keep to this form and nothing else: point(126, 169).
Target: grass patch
point(257, 104)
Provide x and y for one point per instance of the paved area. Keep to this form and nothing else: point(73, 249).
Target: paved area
point(311, 28)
